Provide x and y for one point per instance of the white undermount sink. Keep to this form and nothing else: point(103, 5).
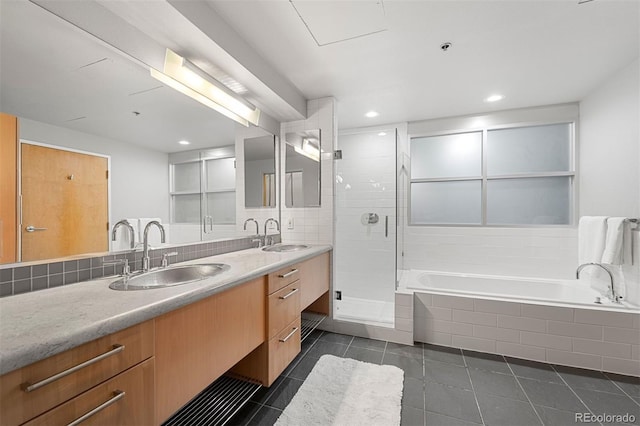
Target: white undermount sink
point(168, 277)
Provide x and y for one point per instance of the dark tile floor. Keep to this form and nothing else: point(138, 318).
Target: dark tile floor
point(445, 386)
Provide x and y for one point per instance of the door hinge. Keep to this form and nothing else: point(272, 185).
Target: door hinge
point(107, 174)
point(337, 154)
point(338, 295)
point(107, 226)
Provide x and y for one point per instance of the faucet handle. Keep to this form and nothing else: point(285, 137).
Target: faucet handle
point(125, 262)
point(257, 240)
point(165, 260)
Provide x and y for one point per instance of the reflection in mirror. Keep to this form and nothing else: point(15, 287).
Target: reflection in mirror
point(68, 90)
point(302, 169)
point(260, 187)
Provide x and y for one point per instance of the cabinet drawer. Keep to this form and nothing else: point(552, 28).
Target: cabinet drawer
point(126, 399)
point(283, 307)
point(283, 277)
point(283, 348)
point(61, 377)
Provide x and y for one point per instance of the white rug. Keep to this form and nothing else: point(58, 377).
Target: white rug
point(346, 392)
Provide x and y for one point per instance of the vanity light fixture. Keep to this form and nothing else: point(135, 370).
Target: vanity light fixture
point(185, 77)
point(382, 134)
point(183, 142)
point(494, 98)
point(309, 149)
point(371, 114)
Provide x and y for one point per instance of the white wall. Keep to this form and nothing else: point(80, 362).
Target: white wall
point(313, 224)
point(139, 176)
point(538, 252)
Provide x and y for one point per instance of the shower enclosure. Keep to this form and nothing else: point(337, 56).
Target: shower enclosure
point(365, 227)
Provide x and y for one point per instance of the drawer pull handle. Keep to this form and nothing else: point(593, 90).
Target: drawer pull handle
point(289, 335)
point(288, 274)
point(291, 293)
point(28, 387)
point(117, 395)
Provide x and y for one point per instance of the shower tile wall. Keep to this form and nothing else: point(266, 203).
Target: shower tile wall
point(313, 225)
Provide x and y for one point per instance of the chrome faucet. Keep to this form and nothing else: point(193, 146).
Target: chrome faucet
point(132, 232)
point(614, 297)
point(145, 243)
point(266, 222)
point(254, 221)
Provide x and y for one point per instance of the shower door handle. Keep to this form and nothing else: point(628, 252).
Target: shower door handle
point(386, 226)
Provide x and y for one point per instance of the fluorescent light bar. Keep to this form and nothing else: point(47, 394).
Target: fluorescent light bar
point(188, 79)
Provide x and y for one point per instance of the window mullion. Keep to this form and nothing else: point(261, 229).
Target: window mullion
point(484, 178)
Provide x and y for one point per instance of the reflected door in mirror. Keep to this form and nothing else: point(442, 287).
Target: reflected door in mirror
point(64, 203)
point(8, 187)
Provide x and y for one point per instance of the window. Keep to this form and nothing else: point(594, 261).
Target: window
point(513, 176)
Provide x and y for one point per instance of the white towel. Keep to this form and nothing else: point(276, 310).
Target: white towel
point(592, 231)
point(154, 232)
point(613, 247)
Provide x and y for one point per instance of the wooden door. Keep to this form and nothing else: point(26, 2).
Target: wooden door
point(65, 198)
point(8, 187)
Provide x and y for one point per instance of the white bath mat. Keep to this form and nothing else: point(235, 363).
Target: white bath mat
point(346, 392)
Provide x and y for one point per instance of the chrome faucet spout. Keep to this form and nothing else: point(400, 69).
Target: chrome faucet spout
point(145, 243)
point(266, 222)
point(132, 232)
point(254, 221)
point(614, 297)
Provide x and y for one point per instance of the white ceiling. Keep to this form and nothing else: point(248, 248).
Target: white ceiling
point(533, 52)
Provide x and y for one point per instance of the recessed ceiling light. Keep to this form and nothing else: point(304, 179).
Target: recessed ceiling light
point(371, 114)
point(183, 142)
point(494, 98)
point(382, 134)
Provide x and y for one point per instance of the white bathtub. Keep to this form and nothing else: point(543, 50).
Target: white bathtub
point(553, 321)
point(537, 290)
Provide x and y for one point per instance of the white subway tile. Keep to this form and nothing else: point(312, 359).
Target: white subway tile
point(621, 366)
point(521, 351)
point(622, 335)
point(636, 321)
point(496, 307)
point(474, 343)
point(404, 324)
point(438, 313)
point(475, 317)
point(572, 359)
point(404, 312)
point(453, 302)
point(521, 323)
point(450, 327)
point(635, 352)
point(546, 340)
point(494, 333)
point(404, 299)
point(547, 312)
point(430, 336)
point(571, 329)
point(613, 319)
point(596, 347)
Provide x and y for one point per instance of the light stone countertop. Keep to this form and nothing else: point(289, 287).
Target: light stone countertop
point(37, 325)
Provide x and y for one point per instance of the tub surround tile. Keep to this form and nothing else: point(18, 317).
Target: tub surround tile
point(521, 351)
point(474, 343)
point(571, 329)
point(635, 352)
point(613, 319)
point(573, 359)
point(547, 312)
point(546, 340)
point(500, 334)
point(622, 335)
point(617, 350)
point(463, 303)
point(496, 307)
point(450, 327)
point(437, 313)
point(520, 323)
point(621, 366)
point(433, 337)
point(475, 317)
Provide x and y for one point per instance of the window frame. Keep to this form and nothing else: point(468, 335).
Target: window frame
point(571, 174)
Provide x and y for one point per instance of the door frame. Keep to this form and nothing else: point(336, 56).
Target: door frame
point(59, 148)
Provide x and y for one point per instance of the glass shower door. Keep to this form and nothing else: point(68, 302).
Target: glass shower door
point(365, 226)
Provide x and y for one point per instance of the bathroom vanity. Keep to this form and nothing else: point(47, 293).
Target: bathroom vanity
point(136, 357)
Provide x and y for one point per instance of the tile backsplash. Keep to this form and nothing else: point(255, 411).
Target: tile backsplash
point(24, 279)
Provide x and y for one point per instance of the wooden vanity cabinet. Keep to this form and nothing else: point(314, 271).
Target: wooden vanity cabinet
point(198, 343)
point(111, 355)
point(125, 400)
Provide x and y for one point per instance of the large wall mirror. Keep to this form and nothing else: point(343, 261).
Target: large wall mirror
point(302, 169)
point(70, 91)
point(260, 183)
